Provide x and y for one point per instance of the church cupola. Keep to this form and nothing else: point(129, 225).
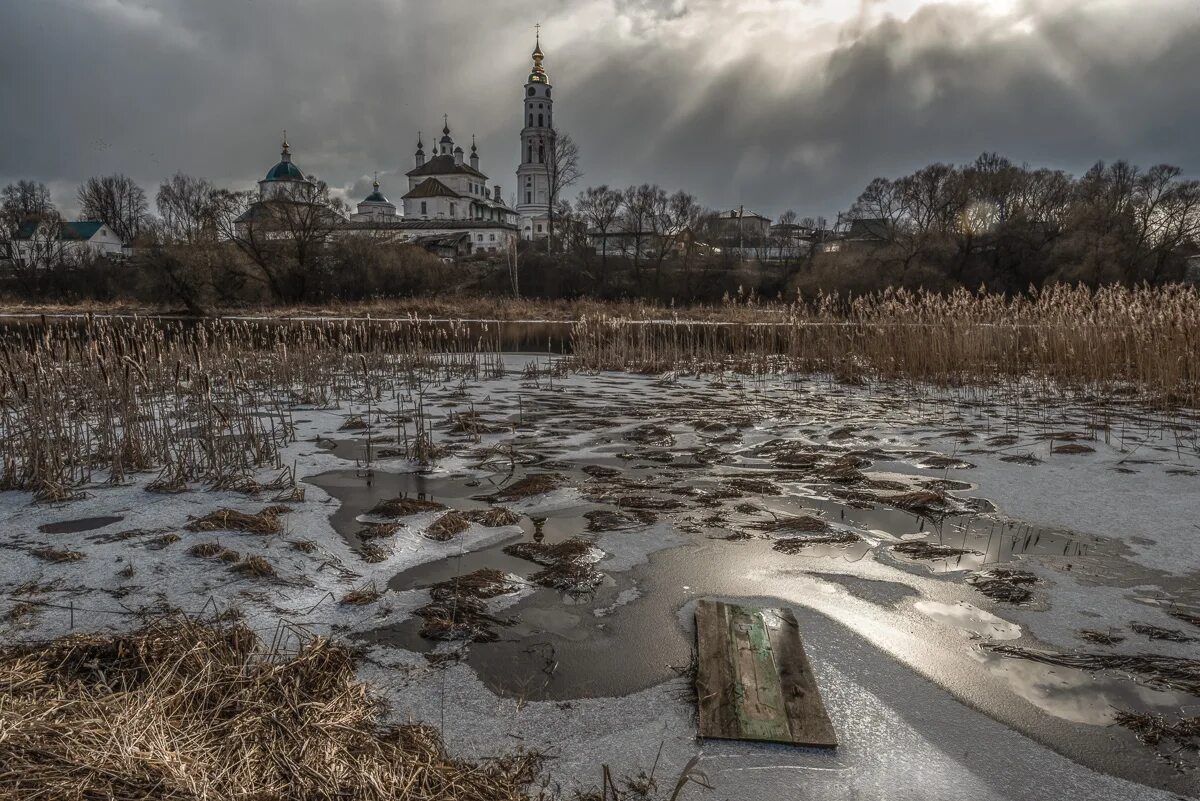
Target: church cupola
point(446, 145)
point(458, 156)
point(420, 150)
point(283, 175)
point(539, 72)
point(474, 154)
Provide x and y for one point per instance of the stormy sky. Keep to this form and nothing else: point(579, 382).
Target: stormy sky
point(772, 104)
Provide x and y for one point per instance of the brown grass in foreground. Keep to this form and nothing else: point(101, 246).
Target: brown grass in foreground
point(181, 710)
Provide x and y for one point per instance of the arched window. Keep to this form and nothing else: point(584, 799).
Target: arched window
point(530, 120)
point(541, 154)
point(529, 157)
point(539, 120)
point(531, 91)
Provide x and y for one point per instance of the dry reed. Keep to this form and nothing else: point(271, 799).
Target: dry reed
point(180, 710)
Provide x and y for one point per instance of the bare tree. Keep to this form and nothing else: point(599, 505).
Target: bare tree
point(116, 201)
point(24, 200)
point(600, 209)
point(562, 171)
point(187, 208)
point(512, 256)
point(638, 204)
point(285, 236)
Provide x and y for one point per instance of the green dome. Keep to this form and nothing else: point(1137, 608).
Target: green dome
point(376, 197)
point(285, 171)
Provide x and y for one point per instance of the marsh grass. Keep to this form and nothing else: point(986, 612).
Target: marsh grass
point(204, 713)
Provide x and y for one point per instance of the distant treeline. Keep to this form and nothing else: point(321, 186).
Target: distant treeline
point(991, 223)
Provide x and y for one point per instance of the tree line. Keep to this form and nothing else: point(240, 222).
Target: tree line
point(990, 223)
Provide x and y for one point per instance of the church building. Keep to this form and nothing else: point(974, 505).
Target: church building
point(448, 205)
point(538, 138)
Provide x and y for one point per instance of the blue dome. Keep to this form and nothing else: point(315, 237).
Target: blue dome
point(376, 197)
point(285, 171)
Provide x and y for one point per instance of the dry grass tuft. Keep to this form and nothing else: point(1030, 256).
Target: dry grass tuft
point(527, 487)
point(1004, 583)
point(1160, 633)
point(495, 517)
point(928, 551)
point(457, 608)
point(361, 596)
point(264, 522)
point(403, 507)
point(181, 710)
point(805, 524)
point(56, 555)
point(255, 567)
point(448, 526)
point(206, 550)
point(378, 531)
point(920, 502)
point(1101, 637)
point(1163, 672)
point(567, 564)
point(795, 545)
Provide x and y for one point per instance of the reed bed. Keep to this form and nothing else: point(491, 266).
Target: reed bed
point(181, 710)
point(208, 402)
point(1115, 340)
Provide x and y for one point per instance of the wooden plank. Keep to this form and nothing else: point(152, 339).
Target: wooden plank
point(808, 719)
point(754, 681)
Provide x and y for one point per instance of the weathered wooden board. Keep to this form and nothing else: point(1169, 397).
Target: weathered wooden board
point(754, 681)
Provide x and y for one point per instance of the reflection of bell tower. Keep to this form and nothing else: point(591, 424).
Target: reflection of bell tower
point(537, 146)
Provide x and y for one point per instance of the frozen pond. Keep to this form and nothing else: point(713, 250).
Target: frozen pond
point(912, 535)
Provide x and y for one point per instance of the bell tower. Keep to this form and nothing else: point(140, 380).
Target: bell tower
point(537, 148)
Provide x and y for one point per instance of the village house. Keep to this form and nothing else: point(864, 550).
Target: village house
point(42, 243)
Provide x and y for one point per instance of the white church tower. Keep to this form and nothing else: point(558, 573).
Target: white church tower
point(537, 148)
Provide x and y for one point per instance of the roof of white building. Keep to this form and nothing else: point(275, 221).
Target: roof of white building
point(445, 165)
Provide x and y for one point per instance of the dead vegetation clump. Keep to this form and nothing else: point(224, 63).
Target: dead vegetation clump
point(1185, 616)
point(928, 551)
point(527, 487)
point(574, 578)
point(568, 564)
point(549, 553)
point(600, 520)
point(255, 567)
point(1101, 637)
point(1006, 584)
point(495, 517)
point(377, 531)
point(648, 503)
point(1157, 730)
point(265, 522)
point(795, 545)
point(56, 555)
point(404, 507)
point(448, 526)
point(1160, 633)
point(804, 524)
point(304, 546)
point(754, 486)
point(204, 714)
point(373, 554)
point(361, 596)
point(1163, 672)
point(923, 502)
point(651, 434)
point(939, 462)
point(1073, 448)
point(206, 550)
point(457, 608)
point(354, 423)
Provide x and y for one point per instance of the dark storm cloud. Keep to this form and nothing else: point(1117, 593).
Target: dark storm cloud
point(770, 103)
